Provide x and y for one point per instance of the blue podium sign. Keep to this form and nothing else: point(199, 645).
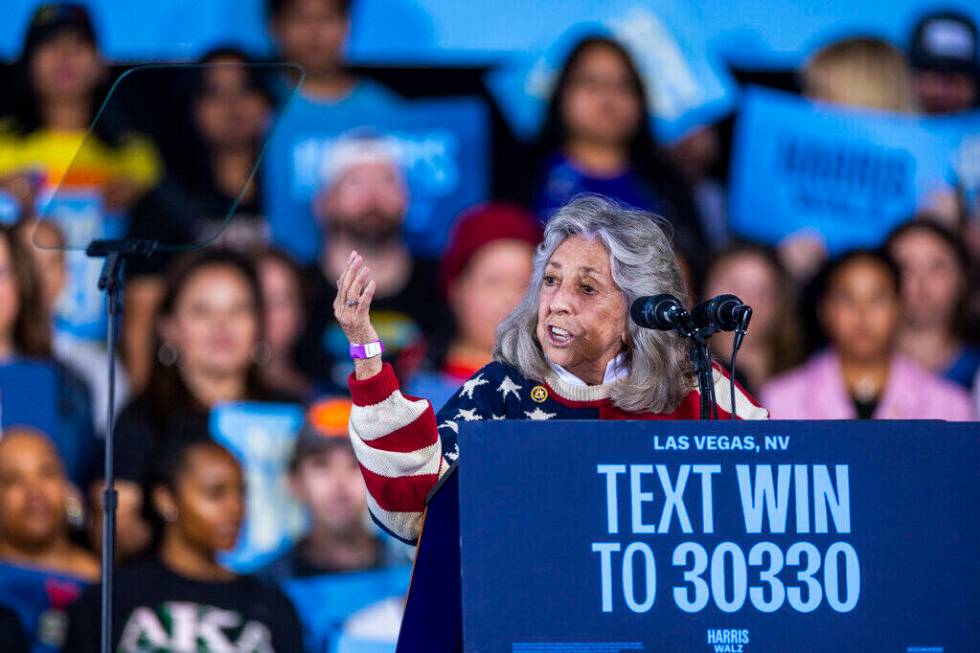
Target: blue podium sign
point(723, 536)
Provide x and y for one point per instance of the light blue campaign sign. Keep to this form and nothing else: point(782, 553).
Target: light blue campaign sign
point(81, 215)
point(441, 145)
point(685, 85)
point(962, 134)
point(850, 175)
point(262, 436)
point(351, 612)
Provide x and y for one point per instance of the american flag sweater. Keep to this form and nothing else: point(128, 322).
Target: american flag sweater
point(403, 446)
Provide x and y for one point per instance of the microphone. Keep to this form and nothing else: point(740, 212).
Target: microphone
point(723, 313)
point(662, 312)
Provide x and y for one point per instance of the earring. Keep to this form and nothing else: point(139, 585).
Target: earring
point(261, 353)
point(167, 354)
point(170, 516)
point(75, 510)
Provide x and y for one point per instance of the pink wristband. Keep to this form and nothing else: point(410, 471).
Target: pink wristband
point(367, 350)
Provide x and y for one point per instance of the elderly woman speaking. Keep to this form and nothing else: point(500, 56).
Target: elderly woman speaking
point(568, 351)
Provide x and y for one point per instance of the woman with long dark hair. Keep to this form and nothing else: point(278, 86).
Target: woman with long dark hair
point(755, 275)
point(597, 139)
point(209, 341)
point(209, 195)
point(935, 269)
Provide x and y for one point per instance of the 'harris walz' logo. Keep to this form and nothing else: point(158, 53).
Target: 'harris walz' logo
point(728, 640)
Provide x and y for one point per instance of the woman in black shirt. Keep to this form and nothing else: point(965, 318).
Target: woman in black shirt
point(209, 342)
point(182, 599)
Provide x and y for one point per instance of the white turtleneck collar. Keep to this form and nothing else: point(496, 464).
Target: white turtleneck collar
point(616, 370)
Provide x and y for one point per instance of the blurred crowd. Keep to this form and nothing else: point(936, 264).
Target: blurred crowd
point(880, 333)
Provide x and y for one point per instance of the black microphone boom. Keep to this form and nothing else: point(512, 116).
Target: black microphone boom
point(662, 312)
point(723, 313)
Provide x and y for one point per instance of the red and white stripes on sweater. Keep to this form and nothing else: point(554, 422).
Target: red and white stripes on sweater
point(403, 447)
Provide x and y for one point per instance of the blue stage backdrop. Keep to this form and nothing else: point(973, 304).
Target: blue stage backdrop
point(851, 175)
point(605, 537)
point(749, 33)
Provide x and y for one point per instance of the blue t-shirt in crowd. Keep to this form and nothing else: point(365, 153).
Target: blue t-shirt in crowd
point(293, 161)
point(562, 180)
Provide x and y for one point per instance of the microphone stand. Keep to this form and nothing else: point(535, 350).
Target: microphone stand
point(115, 253)
point(701, 359)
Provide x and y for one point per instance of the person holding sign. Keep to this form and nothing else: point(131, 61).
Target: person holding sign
point(568, 351)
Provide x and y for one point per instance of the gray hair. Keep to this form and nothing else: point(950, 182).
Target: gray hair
point(643, 263)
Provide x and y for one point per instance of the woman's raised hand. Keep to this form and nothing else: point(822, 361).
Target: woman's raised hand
point(351, 307)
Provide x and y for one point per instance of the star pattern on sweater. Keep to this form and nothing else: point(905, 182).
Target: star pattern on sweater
point(509, 387)
point(451, 425)
point(472, 385)
point(538, 414)
point(468, 415)
point(498, 417)
point(453, 455)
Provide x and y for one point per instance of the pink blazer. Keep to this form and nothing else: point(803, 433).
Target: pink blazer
point(815, 390)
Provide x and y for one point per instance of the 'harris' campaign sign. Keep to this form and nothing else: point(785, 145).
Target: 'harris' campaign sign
point(851, 175)
point(721, 536)
point(442, 148)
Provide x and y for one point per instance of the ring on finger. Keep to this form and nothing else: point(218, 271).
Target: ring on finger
point(352, 302)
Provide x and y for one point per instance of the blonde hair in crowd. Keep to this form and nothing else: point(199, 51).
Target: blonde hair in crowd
point(861, 72)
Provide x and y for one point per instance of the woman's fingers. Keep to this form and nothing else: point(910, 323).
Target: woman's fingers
point(343, 283)
point(347, 279)
point(357, 286)
point(352, 287)
point(367, 296)
point(355, 290)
